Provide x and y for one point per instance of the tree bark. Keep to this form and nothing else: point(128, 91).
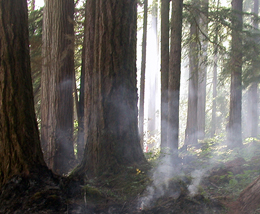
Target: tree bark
point(214, 101)
point(248, 200)
point(20, 150)
point(174, 76)
point(165, 7)
point(191, 136)
point(214, 83)
point(142, 82)
point(234, 126)
point(111, 126)
point(202, 74)
point(57, 85)
point(252, 117)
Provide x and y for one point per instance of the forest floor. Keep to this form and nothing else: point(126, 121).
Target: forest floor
point(207, 181)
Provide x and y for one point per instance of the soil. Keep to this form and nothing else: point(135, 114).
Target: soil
point(123, 193)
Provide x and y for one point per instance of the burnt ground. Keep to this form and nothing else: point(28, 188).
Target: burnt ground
point(132, 190)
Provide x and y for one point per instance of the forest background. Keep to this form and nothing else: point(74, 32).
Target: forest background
point(215, 45)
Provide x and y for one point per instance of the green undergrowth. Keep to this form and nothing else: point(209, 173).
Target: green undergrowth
point(227, 171)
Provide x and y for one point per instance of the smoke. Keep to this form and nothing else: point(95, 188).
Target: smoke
point(197, 176)
point(162, 184)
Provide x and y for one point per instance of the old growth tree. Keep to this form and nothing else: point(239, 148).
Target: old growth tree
point(20, 151)
point(174, 76)
point(235, 111)
point(57, 84)
point(111, 130)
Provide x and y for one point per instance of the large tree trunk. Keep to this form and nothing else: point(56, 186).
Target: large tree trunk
point(142, 82)
point(174, 76)
point(57, 85)
point(20, 150)
point(202, 76)
point(191, 137)
point(111, 125)
point(234, 126)
point(165, 7)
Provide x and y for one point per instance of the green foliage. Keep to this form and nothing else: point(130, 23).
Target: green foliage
point(35, 18)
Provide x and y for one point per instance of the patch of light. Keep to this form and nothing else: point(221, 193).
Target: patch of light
point(39, 3)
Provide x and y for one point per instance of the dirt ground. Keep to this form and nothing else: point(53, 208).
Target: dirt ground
point(127, 192)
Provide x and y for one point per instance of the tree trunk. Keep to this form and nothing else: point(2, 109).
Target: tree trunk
point(234, 126)
point(252, 117)
point(202, 74)
point(248, 200)
point(214, 102)
point(57, 85)
point(191, 137)
point(142, 82)
point(214, 83)
point(165, 7)
point(111, 125)
point(20, 150)
point(174, 76)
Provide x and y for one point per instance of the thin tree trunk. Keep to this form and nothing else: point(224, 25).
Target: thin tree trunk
point(165, 7)
point(252, 117)
point(20, 150)
point(57, 85)
point(253, 109)
point(191, 137)
point(214, 83)
point(202, 81)
point(214, 102)
point(142, 82)
point(174, 76)
point(234, 126)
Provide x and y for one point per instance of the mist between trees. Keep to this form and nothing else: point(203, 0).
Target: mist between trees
point(186, 71)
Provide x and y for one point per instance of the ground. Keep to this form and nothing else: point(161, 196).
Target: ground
point(201, 186)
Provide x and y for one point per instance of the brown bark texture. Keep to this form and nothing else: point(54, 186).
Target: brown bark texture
point(20, 150)
point(248, 200)
point(111, 125)
point(142, 81)
point(57, 85)
point(234, 125)
point(165, 8)
point(174, 76)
